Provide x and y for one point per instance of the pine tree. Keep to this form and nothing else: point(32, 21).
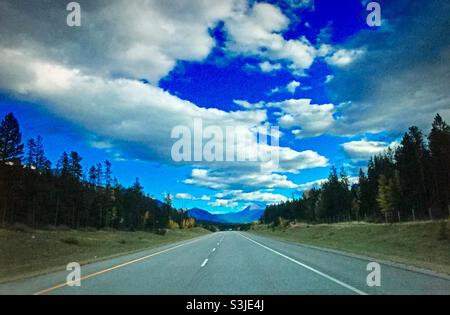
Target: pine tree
point(42, 163)
point(168, 200)
point(384, 196)
point(11, 146)
point(108, 174)
point(35, 157)
point(93, 176)
point(63, 165)
point(364, 194)
point(76, 170)
point(137, 187)
point(99, 174)
point(439, 142)
point(413, 160)
point(30, 160)
point(335, 198)
point(346, 194)
point(395, 194)
point(389, 196)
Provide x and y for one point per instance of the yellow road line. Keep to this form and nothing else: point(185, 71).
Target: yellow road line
point(45, 291)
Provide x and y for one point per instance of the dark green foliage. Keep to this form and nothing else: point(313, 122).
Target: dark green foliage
point(75, 165)
point(108, 174)
point(334, 201)
point(335, 197)
point(439, 143)
point(36, 196)
point(35, 157)
point(218, 226)
point(412, 182)
point(413, 163)
point(30, 159)
point(63, 165)
point(11, 146)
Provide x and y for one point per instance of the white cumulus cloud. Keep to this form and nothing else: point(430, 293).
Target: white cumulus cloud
point(258, 31)
point(141, 39)
point(364, 149)
point(255, 196)
point(269, 67)
point(344, 57)
point(292, 86)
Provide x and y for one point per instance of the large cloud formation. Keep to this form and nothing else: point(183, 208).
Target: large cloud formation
point(91, 75)
point(384, 79)
point(257, 31)
point(404, 74)
point(140, 39)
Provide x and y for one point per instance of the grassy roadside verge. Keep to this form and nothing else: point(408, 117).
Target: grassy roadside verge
point(420, 244)
point(35, 252)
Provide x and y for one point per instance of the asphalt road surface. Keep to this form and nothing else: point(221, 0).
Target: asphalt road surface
point(233, 263)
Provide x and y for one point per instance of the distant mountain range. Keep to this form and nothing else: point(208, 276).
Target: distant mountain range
point(248, 215)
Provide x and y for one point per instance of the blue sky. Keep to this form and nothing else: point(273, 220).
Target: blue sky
point(115, 87)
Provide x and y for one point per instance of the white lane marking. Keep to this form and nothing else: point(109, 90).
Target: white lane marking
point(204, 263)
point(308, 267)
point(119, 266)
point(218, 243)
point(214, 249)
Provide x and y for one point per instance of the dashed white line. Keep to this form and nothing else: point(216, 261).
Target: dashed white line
point(45, 291)
point(204, 263)
point(308, 267)
point(214, 249)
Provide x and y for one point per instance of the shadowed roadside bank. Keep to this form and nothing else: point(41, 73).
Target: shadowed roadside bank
point(422, 244)
point(36, 252)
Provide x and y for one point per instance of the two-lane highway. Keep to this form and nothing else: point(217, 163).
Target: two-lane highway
point(233, 263)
